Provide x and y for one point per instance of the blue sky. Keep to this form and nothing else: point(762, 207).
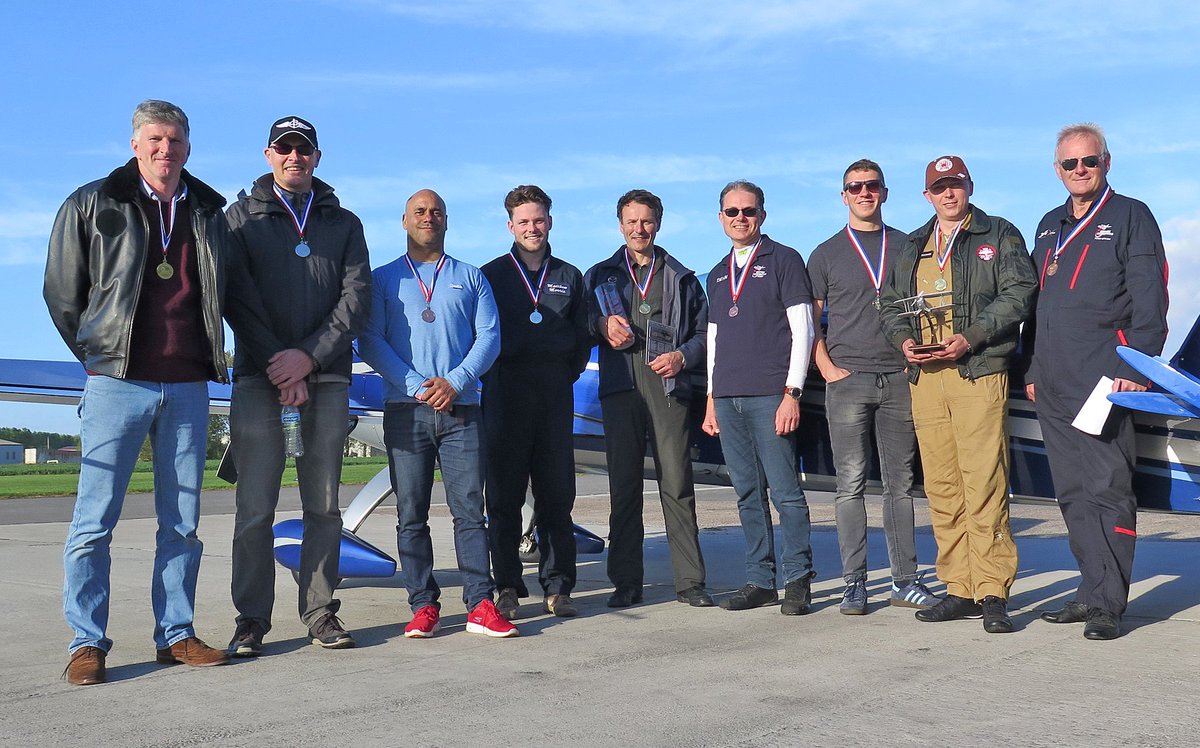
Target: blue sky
point(590, 99)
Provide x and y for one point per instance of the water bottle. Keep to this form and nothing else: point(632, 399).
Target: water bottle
point(289, 418)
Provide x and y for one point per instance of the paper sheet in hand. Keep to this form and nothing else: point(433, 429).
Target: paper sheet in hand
point(1095, 410)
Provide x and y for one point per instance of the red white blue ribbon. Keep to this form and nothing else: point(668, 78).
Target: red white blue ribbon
point(875, 275)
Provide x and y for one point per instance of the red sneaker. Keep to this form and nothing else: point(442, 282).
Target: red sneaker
point(424, 623)
point(485, 619)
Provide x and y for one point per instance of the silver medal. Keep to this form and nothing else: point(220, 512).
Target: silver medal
point(733, 311)
point(644, 308)
point(939, 284)
point(303, 250)
point(428, 315)
point(535, 317)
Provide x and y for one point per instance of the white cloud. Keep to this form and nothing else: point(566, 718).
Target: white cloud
point(1181, 237)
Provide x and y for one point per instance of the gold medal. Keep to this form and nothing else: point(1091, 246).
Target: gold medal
point(1052, 268)
point(164, 270)
point(939, 284)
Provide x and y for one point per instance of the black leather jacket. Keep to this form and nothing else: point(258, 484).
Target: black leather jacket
point(98, 256)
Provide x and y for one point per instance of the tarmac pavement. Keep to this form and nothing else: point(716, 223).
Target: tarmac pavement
point(659, 673)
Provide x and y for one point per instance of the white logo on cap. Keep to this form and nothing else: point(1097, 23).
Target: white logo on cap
point(293, 124)
point(943, 164)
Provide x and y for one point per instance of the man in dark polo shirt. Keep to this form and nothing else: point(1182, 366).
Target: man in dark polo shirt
point(649, 349)
point(299, 293)
point(1103, 276)
point(134, 284)
point(528, 405)
point(761, 315)
point(866, 386)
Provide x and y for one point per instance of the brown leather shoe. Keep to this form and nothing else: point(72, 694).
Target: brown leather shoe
point(561, 605)
point(86, 667)
point(192, 651)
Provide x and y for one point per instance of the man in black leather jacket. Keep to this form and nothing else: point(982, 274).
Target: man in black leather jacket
point(134, 284)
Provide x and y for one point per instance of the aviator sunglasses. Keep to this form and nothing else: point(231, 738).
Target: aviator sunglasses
point(284, 149)
point(871, 185)
point(747, 212)
point(1069, 164)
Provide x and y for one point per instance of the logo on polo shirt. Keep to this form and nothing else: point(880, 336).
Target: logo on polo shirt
point(558, 289)
point(987, 253)
point(759, 272)
point(1047, 232)
point(1104, 231)
point(456, 286)
point(722, 278)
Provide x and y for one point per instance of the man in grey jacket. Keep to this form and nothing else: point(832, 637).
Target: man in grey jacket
point(299, 294)
point(134, 285)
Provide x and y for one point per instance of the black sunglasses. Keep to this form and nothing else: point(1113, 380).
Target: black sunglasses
point(1069, 164)
point(747, 212)
point(871, 185)
point(284, 149)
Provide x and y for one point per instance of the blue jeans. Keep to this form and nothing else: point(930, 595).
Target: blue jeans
point(759, 459)
point(116, 417)
point(415, 434)
point(853, 405)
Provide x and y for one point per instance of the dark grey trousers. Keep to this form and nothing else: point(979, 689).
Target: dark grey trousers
point(630, 418)
point(258, 454)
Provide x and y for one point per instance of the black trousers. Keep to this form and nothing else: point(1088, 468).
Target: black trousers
point(629, 419)
point(1093, 480)
point(528, 411)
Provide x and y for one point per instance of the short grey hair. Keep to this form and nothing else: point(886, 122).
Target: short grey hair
point(743, 185)
point(1082, 129)
point(158, 112)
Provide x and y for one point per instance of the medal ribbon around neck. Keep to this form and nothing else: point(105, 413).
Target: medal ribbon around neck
point(735, 287)
point(876, 275)
point(166, 226)
point(642, 288)
point(426, 291)
point(943, 258)
point(535, 295)
point(1062, 243)
point(300, 222)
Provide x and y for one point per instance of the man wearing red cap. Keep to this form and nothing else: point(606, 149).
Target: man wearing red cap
point(953, 305)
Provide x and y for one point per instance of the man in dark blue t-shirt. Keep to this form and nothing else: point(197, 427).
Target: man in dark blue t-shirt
point(760, 313)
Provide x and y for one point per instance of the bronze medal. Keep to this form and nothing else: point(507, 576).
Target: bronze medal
point(164, 270)
point(1052, 268)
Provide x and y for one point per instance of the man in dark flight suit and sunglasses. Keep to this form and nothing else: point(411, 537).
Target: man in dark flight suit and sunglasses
point(1103, 276)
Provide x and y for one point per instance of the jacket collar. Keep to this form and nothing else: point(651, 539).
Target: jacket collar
point(981, 223)
point(125, 182)
point(261, 192)
point(618, 260)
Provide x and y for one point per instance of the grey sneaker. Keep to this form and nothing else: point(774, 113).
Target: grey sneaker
point(508, 602)
point(913, 595)
point(854, 599)
point(328, 633)
point(247, 640)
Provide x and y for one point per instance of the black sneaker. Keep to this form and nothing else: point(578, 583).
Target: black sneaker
point(797, 596)
point(750, 596)
point(995, 615)
point(328, 633)
point(696, 596)
point(247, 640)
point(951, 608)
point(508, 602)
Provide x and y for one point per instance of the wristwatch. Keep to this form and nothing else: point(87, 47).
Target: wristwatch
point(792, 392)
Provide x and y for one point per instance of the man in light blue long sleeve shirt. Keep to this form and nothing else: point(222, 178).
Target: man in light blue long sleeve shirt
point(433, 331)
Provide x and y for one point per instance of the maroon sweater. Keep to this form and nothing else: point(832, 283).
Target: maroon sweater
point(169, 343)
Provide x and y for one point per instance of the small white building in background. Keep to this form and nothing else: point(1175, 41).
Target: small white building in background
point(11, 453)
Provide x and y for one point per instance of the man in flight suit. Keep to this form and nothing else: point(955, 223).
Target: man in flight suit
point(1103, 276)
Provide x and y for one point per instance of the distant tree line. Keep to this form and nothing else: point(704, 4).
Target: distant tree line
point(38, 439)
